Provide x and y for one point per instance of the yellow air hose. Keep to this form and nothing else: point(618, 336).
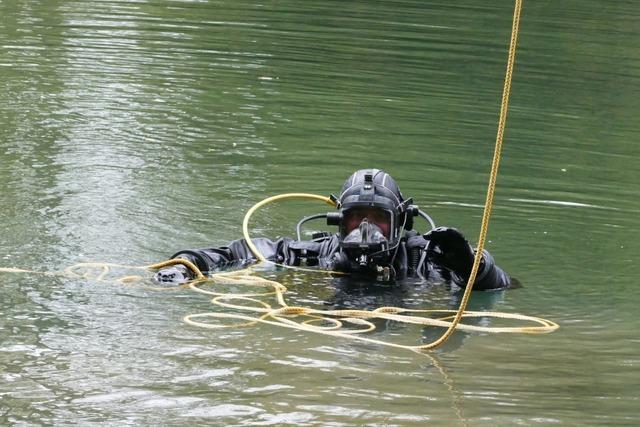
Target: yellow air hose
point(245, 222)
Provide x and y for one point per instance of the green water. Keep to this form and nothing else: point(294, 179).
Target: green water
point(130, 130)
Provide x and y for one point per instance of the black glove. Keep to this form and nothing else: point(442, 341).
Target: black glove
point(175, 274)
point(449, 248)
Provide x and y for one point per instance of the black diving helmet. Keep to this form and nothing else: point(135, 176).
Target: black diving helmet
point(372, 214)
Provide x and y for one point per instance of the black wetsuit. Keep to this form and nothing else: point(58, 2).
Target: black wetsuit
point(415, 257)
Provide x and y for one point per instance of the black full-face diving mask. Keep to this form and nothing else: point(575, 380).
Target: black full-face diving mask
point(368, 240)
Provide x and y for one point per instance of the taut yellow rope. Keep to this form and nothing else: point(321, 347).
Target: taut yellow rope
point(488, 205)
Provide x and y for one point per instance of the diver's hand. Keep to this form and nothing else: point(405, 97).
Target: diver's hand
point(451, 249)
point(175, 274)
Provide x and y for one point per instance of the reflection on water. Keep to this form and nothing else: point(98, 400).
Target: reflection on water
point(130, 130)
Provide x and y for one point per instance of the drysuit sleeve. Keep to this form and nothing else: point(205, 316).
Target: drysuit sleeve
point(490, 276)
point(213, 259)
point(236, 252)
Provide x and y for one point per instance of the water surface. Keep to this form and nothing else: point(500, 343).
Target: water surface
point(130, 130)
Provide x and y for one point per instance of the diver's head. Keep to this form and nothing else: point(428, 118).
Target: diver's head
point(372, 214)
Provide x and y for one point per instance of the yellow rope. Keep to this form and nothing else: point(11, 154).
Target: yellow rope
point(336, 319)
point(338, 323)
point(98, 271)
point(488, 205)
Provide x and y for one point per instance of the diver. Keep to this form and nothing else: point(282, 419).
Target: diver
point(375, 240)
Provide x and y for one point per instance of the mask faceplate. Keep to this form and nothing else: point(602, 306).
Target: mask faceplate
point(366, 247)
